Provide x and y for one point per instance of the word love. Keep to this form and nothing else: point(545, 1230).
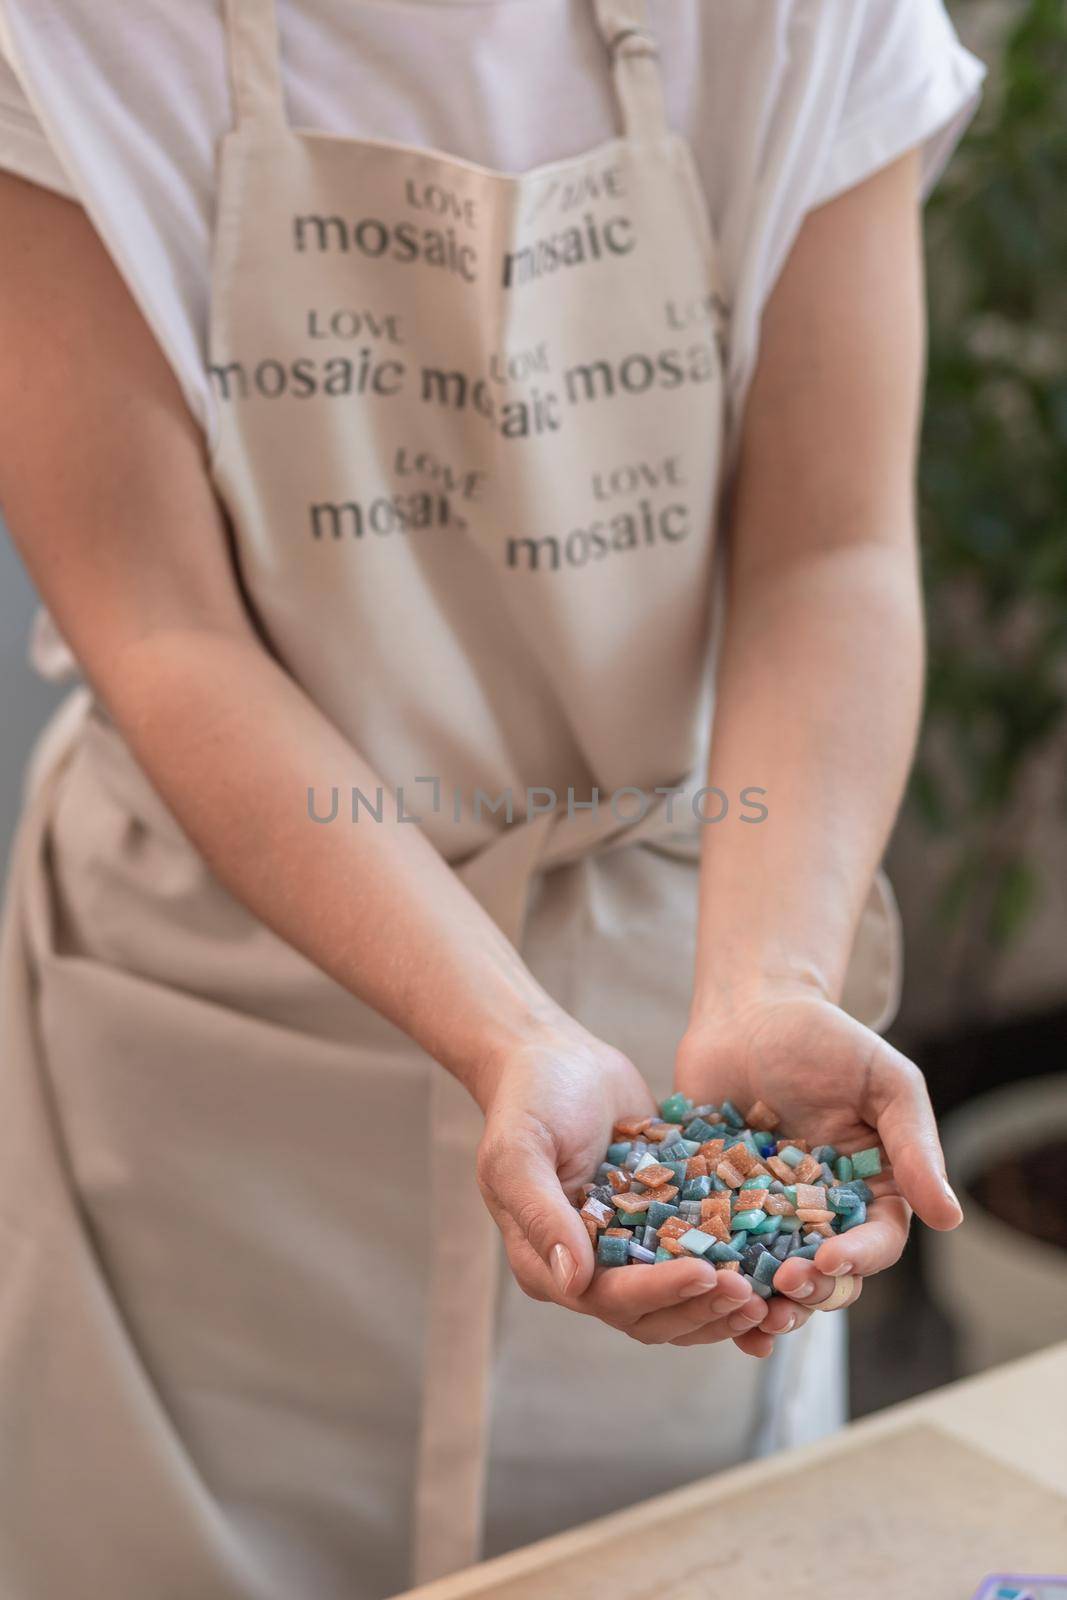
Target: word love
point(466, 485)
point(702, 311)
point(354, 325)
point(441, 202)
point(514, 367)
point(628, 480)
point(568, 192)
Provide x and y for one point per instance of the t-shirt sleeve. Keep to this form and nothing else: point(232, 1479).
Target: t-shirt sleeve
point(24, 146)
point(912, 84)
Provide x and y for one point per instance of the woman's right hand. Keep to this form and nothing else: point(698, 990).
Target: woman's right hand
point(549, 1111)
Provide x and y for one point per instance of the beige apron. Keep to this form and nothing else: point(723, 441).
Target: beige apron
point(469, 432)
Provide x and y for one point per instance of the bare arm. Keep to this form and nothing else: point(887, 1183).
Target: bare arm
point(820, 684)
point(819, 698)
point(103, 480)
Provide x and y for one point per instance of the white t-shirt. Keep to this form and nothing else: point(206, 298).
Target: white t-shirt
point(785, 103)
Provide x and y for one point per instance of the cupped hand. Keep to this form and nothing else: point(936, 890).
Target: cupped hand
point(549, 1117)
point(832, 1081)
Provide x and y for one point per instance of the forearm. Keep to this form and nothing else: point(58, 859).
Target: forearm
point(820, 675)
point(232, 745)
point(819, 697)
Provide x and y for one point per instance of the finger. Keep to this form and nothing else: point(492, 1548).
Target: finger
point(748, 1317)
point(706, 1311)
point(711, 1333)
point(901, 1111)
point(872, 1247)
point(802, 1281)
point(548, 1245)
point(757, 1343)
point(783, 1316)
point(846, 1292)
point(624, 1295)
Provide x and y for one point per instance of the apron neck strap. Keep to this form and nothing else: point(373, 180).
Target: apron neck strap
point(255, 61)
point(251, 29)
point(255, 64)
point(635, 66)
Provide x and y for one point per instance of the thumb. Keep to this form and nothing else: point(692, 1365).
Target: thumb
point(908, 1129)
point(547, 1242)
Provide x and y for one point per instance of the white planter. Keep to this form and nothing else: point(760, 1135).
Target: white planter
point(1005, 1292)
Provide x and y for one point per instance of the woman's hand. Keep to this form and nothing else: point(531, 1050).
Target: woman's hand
point(817, 700)
point(549, 1116)
point(832, 1081)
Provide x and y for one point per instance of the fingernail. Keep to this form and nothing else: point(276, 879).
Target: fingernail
point(950, 1191)
point(562, 1264)
point(840, 1272)
point(691, 1290)
point(789, 1324)
point(802, 1293)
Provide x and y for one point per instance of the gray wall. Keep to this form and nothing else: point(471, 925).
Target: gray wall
point(25, 699)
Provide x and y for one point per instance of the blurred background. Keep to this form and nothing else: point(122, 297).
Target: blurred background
point(979, 859)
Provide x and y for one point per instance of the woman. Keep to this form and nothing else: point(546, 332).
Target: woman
point(368, 483)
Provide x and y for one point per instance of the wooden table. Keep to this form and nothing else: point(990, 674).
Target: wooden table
point(924, 1498)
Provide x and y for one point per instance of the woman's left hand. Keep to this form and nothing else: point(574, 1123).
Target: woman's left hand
point(832, 1081)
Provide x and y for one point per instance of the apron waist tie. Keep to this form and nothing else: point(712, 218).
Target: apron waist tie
point(452, 1458)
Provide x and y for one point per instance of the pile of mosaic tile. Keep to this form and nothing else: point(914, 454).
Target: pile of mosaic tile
point(708, 1181)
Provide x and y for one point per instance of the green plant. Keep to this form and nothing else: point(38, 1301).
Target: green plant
point(993, 483)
